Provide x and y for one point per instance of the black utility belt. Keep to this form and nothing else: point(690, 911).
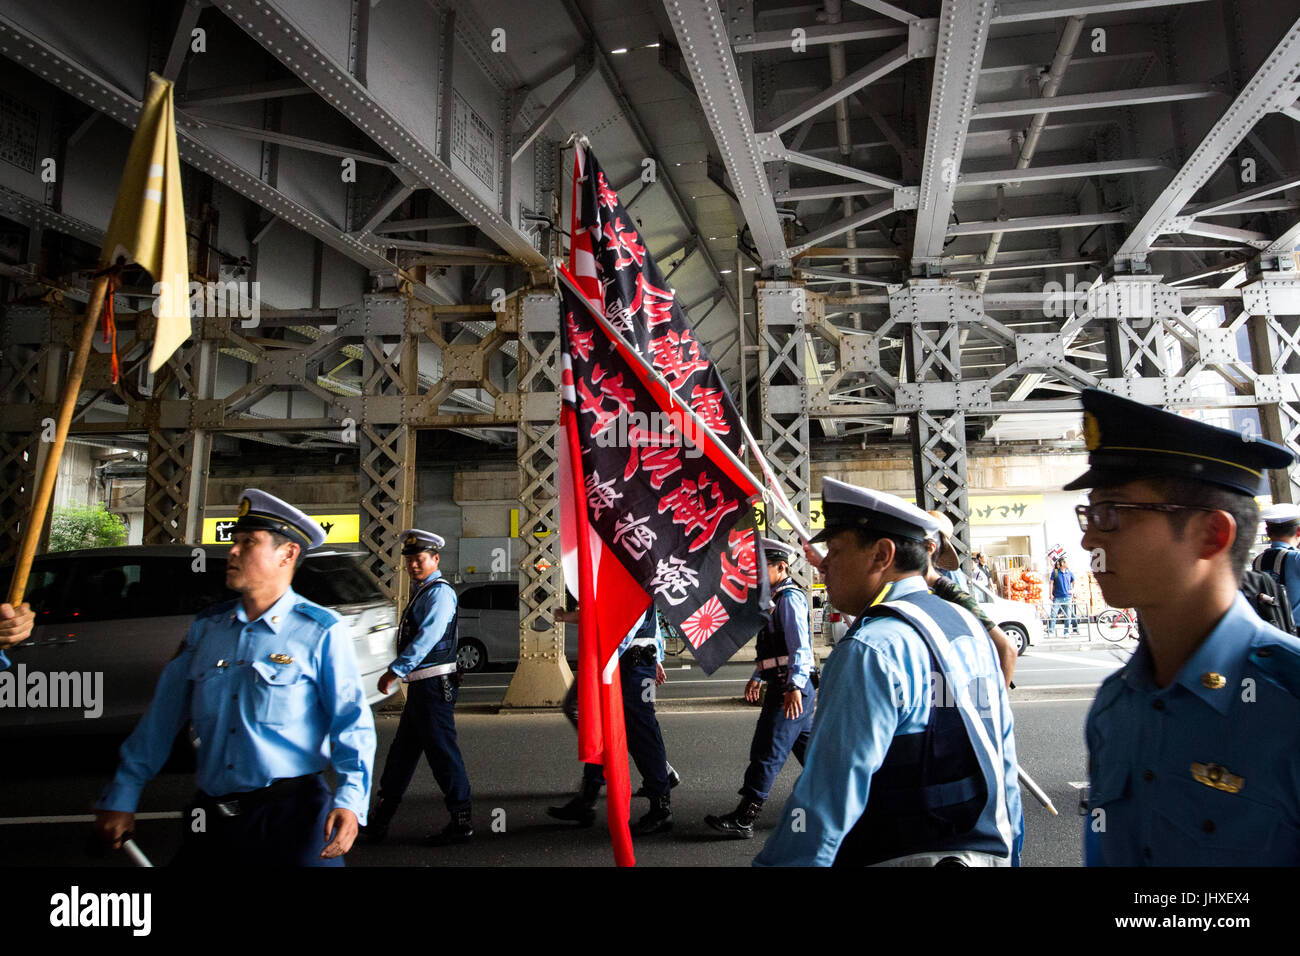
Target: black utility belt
point(237, 804)
point(639, 654)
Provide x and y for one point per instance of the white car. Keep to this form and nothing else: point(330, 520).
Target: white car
point(1019, 621)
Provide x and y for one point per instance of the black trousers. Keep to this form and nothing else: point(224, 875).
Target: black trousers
point(428, 727)
point(288, 831)
point(645, 741)
point(775, 738)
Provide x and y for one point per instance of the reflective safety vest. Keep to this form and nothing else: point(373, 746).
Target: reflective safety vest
point(770, 641)
point(444, 650)
point(942, 789)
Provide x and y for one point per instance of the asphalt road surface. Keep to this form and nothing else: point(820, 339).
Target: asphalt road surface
point(521, 763)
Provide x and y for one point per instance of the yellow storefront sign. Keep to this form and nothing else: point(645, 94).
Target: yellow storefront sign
point(816, 520)
point(1006, 509)
point(984, 510)
point(339, 529)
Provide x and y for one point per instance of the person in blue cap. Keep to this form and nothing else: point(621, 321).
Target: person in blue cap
point(785, 661)
point(1281, 559)
point(1194, 745)
point(912, 760)
point(270, 683)
point(426, 662)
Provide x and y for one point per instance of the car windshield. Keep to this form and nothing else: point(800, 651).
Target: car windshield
point(333, 579)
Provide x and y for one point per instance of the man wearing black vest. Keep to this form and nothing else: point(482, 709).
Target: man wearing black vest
point(912, 761)
point(784, 662)
point(426, 662)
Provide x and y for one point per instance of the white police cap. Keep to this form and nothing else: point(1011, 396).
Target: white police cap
point(777, 550)
point(1280, 514)
point(259, 511)
point(414, 541)
point(848, 506)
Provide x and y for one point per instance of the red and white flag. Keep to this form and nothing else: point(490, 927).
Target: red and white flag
point(653, 502)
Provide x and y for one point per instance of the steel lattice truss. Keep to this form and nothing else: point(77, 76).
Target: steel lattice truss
point(924, 187)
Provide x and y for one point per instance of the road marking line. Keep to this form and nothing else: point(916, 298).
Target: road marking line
point(1067, 659)
point(1049, 700)
point(84, 818)
point(674, 683)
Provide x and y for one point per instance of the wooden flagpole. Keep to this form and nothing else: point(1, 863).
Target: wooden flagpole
point(45, 486)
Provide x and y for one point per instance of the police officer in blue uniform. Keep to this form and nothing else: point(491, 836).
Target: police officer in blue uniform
point(912, 760)
point(1194, 745)
point(426, 662)
point(784, 662)
point(639, 668)
point(270, 683)
point(1281, 559)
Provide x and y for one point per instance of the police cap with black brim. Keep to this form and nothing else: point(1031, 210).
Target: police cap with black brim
point(848, 506)
point(414, 541)
point(1128, 441)
point(1282, 513)
point(259, 511)
point(776, 550)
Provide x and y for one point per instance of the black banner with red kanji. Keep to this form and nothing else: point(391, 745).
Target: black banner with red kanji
point(639, 302)
point(661, 495)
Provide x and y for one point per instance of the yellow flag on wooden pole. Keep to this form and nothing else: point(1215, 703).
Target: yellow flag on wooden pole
point(148, 224)
point(148, 227)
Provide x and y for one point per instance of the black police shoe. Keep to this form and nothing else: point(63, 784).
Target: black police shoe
point(739, 822)
point(578, 810)
point(458, 830)
point(376, 831)
point(658, 820)
point(674, 778)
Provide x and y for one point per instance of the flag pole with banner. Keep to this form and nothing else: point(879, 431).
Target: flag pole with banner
point(147, 227)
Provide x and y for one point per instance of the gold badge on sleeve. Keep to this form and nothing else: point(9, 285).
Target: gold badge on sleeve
point(281, 659)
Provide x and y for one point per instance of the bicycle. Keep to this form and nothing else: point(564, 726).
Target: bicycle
point(1116, 624)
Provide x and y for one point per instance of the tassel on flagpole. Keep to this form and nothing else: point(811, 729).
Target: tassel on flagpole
point(110, 324)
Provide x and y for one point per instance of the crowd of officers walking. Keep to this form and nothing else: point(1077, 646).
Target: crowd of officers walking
point(906, 740)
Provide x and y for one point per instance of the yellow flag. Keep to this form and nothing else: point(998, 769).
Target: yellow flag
point(148, 224)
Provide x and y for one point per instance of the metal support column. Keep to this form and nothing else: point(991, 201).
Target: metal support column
point(176, 477)
point(783, 312)
point(938, 420)
point(31, 371)
point(1274, 329)
point(387, 462)
point(543, 674)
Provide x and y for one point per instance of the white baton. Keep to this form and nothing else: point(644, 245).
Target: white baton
point(135, 853)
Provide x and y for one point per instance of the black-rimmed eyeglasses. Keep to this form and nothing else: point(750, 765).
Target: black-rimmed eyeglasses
point(1104, 515)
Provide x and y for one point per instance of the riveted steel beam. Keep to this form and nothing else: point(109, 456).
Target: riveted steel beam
point(275, 25)
point(1028, 11)
point(1263, 93)
point(963, 32)
point(702, 35)
point(41, 56)
point(1095, 101)
point(1030, 174)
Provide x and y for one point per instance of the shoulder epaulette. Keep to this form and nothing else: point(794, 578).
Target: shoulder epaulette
point(1277, 655)
point(321, 615)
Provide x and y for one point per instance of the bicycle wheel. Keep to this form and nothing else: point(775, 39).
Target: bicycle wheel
point(1114, 625)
